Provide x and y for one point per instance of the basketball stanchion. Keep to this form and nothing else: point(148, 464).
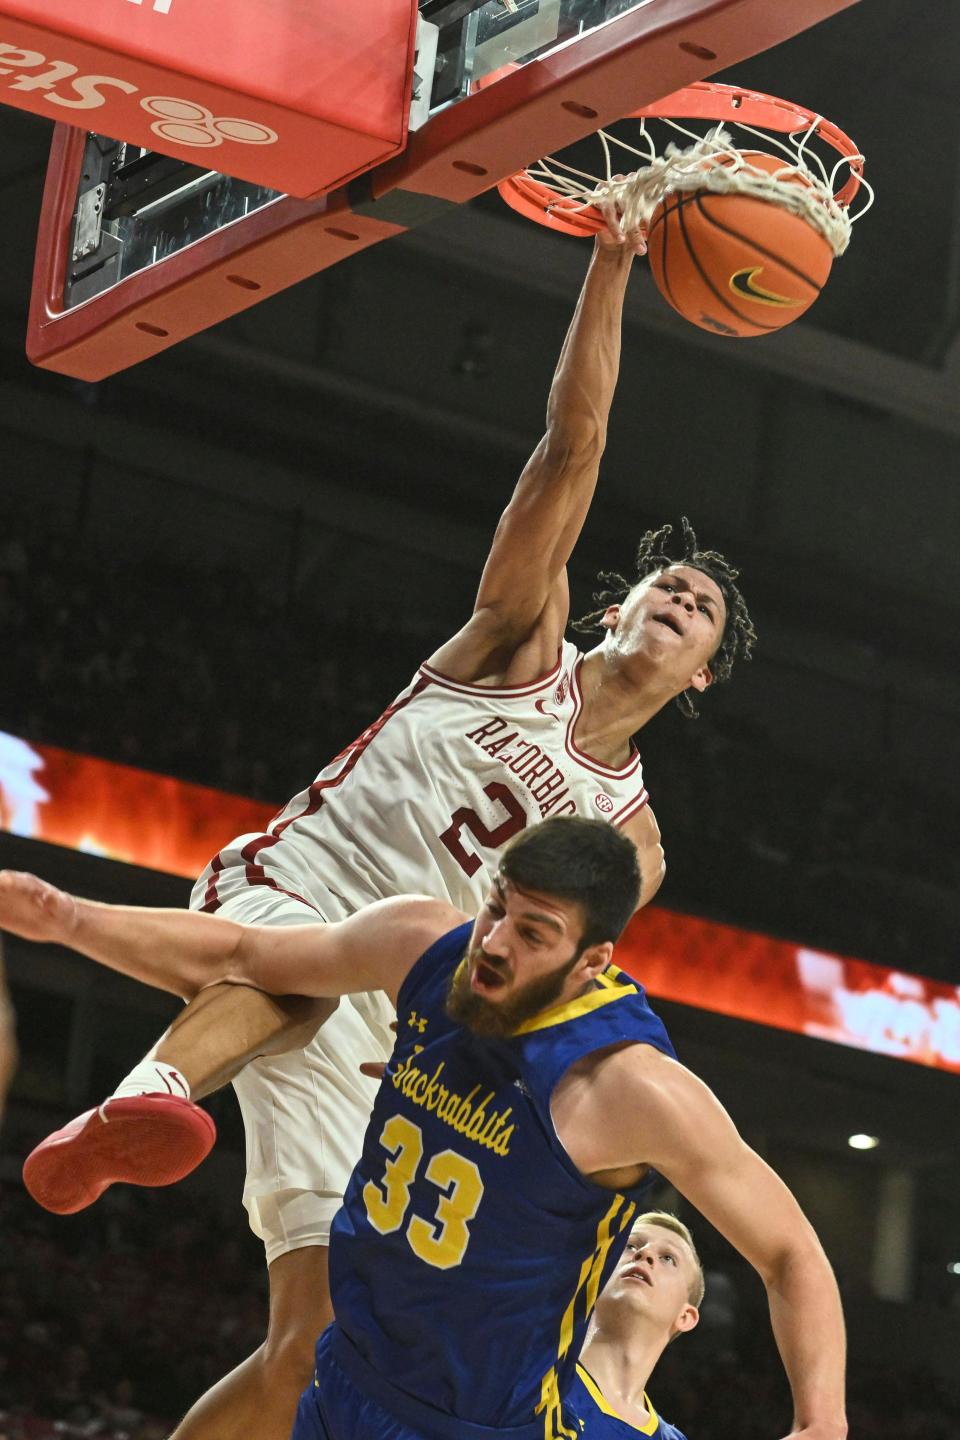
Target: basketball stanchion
point(740, 241)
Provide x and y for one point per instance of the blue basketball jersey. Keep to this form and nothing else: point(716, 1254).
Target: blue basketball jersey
point(469, 1251)
point(597, 1420)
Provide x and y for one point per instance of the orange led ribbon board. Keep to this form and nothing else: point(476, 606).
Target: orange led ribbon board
point(139, 818)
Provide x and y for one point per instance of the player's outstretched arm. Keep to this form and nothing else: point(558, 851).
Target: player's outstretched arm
point(175, 950)
point(523, 597)
point(374, 949)
point(663, 1112)
point(183, 951)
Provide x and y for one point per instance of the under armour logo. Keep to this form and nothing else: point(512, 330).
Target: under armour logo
point(184, 122)
point(418, 1022)
point(161, 7)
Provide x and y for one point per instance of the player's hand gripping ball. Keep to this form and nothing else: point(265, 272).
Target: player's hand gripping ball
point(736, 264)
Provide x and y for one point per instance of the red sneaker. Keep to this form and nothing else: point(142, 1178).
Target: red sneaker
point(137, 1139)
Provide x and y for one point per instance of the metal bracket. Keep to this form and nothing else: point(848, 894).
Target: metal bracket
point(89, 222)
point(424, 70)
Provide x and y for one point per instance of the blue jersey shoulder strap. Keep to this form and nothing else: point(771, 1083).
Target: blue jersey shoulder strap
point(614, 1012)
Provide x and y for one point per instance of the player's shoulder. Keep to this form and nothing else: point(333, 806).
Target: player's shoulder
point(631, 1076)
point(666, 1431)
point(415, 922)
point(435, 940)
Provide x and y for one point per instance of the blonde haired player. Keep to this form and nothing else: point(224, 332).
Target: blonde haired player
point(652, 1297)
point(508, 724)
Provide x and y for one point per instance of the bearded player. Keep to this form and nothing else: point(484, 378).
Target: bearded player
point(505, 726)
point(530, 1098)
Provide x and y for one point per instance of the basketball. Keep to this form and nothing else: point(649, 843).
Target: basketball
point(736, 264)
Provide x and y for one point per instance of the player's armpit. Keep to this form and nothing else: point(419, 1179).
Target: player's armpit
point(375, 949)
point(644, 831)
point(494, 650)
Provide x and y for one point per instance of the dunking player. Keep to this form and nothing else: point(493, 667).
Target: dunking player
point(505, 726)
point(652, 1297)
point(529, 1094)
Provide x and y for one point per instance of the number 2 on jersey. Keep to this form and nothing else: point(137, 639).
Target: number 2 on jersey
point(467, 819)
point(457, 1179)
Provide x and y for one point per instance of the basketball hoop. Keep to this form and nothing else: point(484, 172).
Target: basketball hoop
point(810, 182)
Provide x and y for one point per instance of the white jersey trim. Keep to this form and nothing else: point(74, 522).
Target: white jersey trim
point(632, 807)
point(573, 749)
point(463, 687)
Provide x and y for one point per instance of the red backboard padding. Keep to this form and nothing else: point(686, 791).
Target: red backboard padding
point(296, 95)
point(460, 152)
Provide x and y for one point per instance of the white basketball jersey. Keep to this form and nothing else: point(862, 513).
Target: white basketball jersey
point(423, 801)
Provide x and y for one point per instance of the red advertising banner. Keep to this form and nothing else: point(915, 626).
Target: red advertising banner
point(151, 820)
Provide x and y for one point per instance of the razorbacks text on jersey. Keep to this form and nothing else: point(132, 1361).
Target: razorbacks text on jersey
point(597, 1419)
point(426, 797)
point(469, 1251)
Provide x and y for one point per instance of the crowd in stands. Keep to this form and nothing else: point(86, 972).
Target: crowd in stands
point(113, 1321)
point(209, 678)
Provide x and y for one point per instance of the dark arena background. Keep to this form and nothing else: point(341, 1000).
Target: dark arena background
point(219, 566)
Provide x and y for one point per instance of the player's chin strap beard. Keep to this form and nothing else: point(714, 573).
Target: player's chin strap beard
point(498, 1021)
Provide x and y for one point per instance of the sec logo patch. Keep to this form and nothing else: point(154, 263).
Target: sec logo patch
point(603, 802)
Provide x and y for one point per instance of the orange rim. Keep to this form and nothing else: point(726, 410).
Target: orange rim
point(536, 201)
point(704, 100)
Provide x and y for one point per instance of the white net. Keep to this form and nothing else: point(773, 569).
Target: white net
point(802, 184)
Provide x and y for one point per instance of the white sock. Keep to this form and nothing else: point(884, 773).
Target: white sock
point(153, 1077)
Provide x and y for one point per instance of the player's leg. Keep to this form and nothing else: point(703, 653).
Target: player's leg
point(226, 1026)
point(304, 1114)
point(259, 1398)
point(148, 1132)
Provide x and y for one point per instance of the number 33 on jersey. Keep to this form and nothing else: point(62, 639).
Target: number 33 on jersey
point(463, 1190)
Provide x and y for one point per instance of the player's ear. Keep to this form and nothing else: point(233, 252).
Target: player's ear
point(687, 1320)
point(595, 959)
point(611, 617)
point(701, 679)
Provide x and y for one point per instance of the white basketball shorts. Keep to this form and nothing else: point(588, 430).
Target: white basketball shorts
point(305, 1113)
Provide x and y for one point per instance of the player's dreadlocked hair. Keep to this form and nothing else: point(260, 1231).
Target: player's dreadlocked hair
point(652, 556)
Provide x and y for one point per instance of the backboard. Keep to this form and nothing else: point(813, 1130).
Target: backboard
point(138, 250)
point(297, 96)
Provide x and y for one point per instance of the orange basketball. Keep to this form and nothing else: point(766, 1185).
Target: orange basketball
point(735, 264)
